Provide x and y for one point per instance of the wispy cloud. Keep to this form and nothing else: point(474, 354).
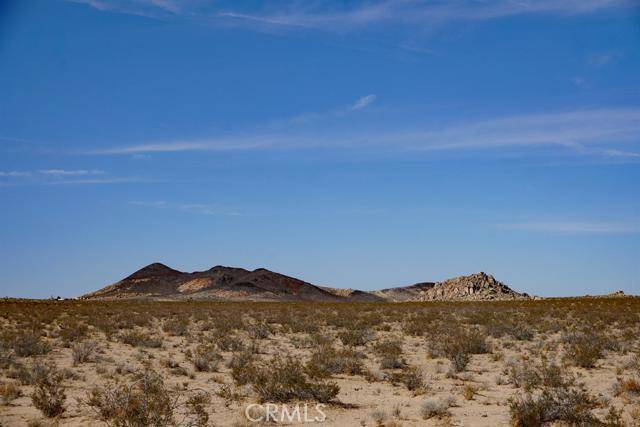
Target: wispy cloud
point(60, 177)
point(363, 102)
point(66, 172)
point(14, 174)
point(98, 181)
point(208, 209)
point(621, 153)
point(349, 15)
point(568, 129)
point(339, 112)
point(594, 132)
point(602, 59)
point(574, 227)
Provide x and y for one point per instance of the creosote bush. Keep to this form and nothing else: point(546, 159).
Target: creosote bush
point(327, 361)
point(83, 352)
point(25, 343)
point(48, 395)
point(205, 358)
point(570, 405)
point(282, 380)
point(146, 402)
point(140, 339)
point(355, 337)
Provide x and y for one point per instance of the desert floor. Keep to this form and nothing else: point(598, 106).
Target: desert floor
point(554, 361)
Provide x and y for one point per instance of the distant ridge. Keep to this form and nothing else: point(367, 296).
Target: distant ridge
point(158, 281)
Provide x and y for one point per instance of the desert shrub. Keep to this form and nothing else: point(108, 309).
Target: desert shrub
point(178, 327)
point(83, 352)
point(229, 342)
point(9, 392)
point(7, 358)
point(228, 394)
point(32, 373)
point(413, 379)
point(355, 337)
point(146, 402)
point(205, 358)
point(522, 374)
point(569, 405)
point(390, 352)
point(197, 415)
point(584, 349)
point(174, 367)
point(327, 361)
point(243, 368)
point(282, 380)
point(519, 331)
point(72, 331)
point(458, 346)
point(258, 331)
point(137, 338)
point(629, 387)
point(25, 343)
point(551, 375)
point(48, 395)
point(105, 325)
point(432, 408)
point(469, 391)
point(379, 417)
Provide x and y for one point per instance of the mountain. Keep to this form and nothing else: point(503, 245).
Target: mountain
point(157, 281)
point(218, 283)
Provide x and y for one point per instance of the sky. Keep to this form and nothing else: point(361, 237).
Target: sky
point(349, 144)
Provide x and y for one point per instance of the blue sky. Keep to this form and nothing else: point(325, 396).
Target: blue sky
point(351, 144)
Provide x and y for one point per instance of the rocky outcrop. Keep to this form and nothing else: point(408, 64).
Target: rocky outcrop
point(475, 287)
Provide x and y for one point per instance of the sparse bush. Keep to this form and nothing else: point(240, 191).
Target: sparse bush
point(379, 417)
point(243, 369)
point(9, 392)
point(83, 352)
point(258, 331)
point(458, 346)
point(205, 358)
point(355, 337)
point(627, 386)
point(146, 402)
point(140, 339)
point(390, 353)
point(72, 331)
point(284, 380)
point(26, 343)
point(469, 391)
point(178, 327)
point(229, 343)
point(326, 361)
point(49, 395)
point(413, 379)
point(584, 349)
point(522, 374)
point(572, 406)
point(432, 408)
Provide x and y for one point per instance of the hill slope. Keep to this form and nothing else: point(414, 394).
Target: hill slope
point(157, 281)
